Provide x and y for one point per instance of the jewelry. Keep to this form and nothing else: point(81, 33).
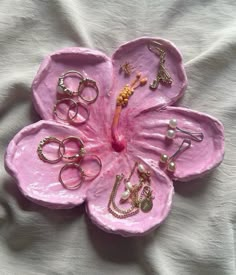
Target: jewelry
point(81, 149)
point(48, 140)
point(162, 74)
point(77, 158)
point(73, 106)
point(84, 82)
point(169, 161)
point(81, 171)
point(61, 88)
point(143, 202)
point(98, 160)
point(87, 82)
point(128, 90)
point(146, 203)
point(170, 134)
point(121, 213)
point(127, 68)
point(67, 166)
point(144, 176)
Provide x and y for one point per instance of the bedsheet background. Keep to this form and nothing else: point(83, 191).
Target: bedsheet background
point(198, 237)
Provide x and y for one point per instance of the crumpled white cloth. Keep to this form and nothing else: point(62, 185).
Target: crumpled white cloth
point(198, 237)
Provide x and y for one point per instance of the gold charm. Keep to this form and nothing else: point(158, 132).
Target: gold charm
point(146, 205)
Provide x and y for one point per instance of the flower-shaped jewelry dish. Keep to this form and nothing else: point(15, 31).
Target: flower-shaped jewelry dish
point(141, 128)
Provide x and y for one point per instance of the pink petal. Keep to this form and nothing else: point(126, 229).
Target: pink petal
point(91, 63)
point(139, 224)
point(138, 55)
point(147, 139)
point(38, 180)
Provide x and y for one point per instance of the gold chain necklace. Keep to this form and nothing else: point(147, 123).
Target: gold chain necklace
point(143, 202)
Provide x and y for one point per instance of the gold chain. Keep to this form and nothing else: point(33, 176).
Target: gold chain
point(144, 201)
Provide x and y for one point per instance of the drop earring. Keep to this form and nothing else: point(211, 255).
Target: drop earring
point(173, 128)
point(169, 162)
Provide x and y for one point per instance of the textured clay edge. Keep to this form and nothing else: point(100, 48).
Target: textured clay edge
point(10, 152)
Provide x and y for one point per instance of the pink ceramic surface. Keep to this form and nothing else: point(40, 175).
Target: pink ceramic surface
point(137, 133)
point(140, 224)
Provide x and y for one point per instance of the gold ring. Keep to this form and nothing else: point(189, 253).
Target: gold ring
point(67, 166)
point(72, 119)
point(73, 105)
point(61, 87)
point(48, 140)
point(87, 82)
point(90, 176)
point(81, 149)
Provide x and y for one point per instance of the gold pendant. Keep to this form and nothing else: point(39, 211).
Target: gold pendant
point(146, 205)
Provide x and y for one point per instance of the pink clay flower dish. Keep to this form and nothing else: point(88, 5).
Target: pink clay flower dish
point(119, 139)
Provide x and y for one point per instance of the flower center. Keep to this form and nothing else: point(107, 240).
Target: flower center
point(118, 140)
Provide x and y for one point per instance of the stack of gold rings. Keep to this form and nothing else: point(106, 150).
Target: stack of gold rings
point(73, 161)
point(72, 97)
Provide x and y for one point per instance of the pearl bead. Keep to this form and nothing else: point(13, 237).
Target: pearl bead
point(128, 185)
point(171, 166)
point(125, 195)
point(141, 169)
point(164, 158)
point(173, 123)
point(170, 134)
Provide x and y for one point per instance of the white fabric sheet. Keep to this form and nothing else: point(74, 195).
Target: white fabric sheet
point(199, 235)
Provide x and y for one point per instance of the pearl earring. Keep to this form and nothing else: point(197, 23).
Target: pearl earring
point(171, 132)
point(169, 161)
point(144, 176)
